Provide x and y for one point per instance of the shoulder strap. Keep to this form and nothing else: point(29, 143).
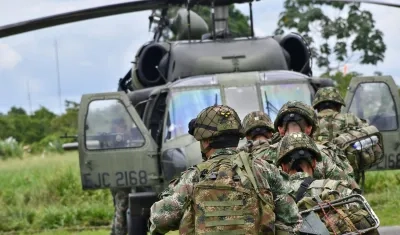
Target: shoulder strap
point(303, 188)
point(244, 161)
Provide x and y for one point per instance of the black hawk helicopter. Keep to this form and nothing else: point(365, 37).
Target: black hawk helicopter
point(137, 136)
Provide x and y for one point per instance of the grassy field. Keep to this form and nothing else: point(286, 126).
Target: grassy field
point(44, 193)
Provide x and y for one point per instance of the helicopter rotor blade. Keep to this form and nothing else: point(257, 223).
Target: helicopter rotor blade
point(86, 14)
point(377, 2)
point(123, 8)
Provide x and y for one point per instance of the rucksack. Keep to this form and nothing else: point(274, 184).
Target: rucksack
point(338, 219)
point(227, 200)
point(369, 138)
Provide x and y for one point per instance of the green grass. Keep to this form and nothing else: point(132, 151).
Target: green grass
point(42, 194)
point(45, 193)
point(382, 190)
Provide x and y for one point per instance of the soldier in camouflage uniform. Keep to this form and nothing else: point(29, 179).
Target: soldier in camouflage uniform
point(120, 195)
point(297, 116)
point(298, 156)
point(218, 129)
point(121, 202)
point(258, 129)
point(331, 123)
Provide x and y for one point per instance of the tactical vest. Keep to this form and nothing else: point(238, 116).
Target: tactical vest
point(337, 219)
point(227, 200)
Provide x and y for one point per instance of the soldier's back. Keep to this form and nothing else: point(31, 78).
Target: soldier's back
point(336, 155)
point(225, 183)
point(332, 123)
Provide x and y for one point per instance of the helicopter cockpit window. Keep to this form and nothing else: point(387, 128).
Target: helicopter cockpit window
point(242, 99)
point(276, 95)
point(374, 103)
point(184, 105)
point(108, 125)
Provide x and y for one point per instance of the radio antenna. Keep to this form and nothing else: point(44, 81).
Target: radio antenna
point(58, 75)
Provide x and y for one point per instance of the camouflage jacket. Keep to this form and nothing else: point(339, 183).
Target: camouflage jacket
point(257, 148)
point(331, 124)
point(166, 214)
point(325, 169)
point(337, 156)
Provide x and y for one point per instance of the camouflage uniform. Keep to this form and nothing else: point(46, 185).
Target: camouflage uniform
point(169, 213)
point(120, 195)
point(300, 141)
point(121, 203)
point(251, 122)
point(332, 123)
point(327, 167)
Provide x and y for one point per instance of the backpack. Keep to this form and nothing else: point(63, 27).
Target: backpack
point(368, 156)
point(339, 219)
point(227, 200)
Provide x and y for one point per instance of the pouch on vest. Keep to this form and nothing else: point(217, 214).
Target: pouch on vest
point(226, 202)
point(363, 147)
point(340, 215)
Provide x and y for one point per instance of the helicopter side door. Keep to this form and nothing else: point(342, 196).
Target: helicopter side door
point(115, 148)
point(376, 99)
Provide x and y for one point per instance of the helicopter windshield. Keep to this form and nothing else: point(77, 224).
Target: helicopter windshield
point(242, 99)
point(274, 96)
point(184, 105)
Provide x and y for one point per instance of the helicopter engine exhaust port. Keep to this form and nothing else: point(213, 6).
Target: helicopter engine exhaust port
point(299, 53)
point(146, 72)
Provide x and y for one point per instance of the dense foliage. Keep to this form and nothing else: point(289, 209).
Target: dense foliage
point(338, 34)
point(38, 131)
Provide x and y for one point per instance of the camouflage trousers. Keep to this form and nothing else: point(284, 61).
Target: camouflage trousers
point(121, 203)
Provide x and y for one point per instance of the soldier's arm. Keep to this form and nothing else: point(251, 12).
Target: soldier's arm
point(332, 171)
point(287, 214)
point(166, 214)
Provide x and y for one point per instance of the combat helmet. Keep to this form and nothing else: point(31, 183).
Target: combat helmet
point(257, 119)
point(291, 108)
point(297, 141)
point(327, 94)
point(214, 121)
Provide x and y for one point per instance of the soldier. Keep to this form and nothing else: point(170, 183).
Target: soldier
point(258, 129)
point(295, 116)
point(332, 123)
point(120, 195)
point(193, 202)
point(298, 156)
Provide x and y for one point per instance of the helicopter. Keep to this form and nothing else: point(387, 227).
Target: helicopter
point(137, 136)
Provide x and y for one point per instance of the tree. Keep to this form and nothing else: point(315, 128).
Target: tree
point(68, 122)
point(343, 81)
point(344, 35)
point(17, 111)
